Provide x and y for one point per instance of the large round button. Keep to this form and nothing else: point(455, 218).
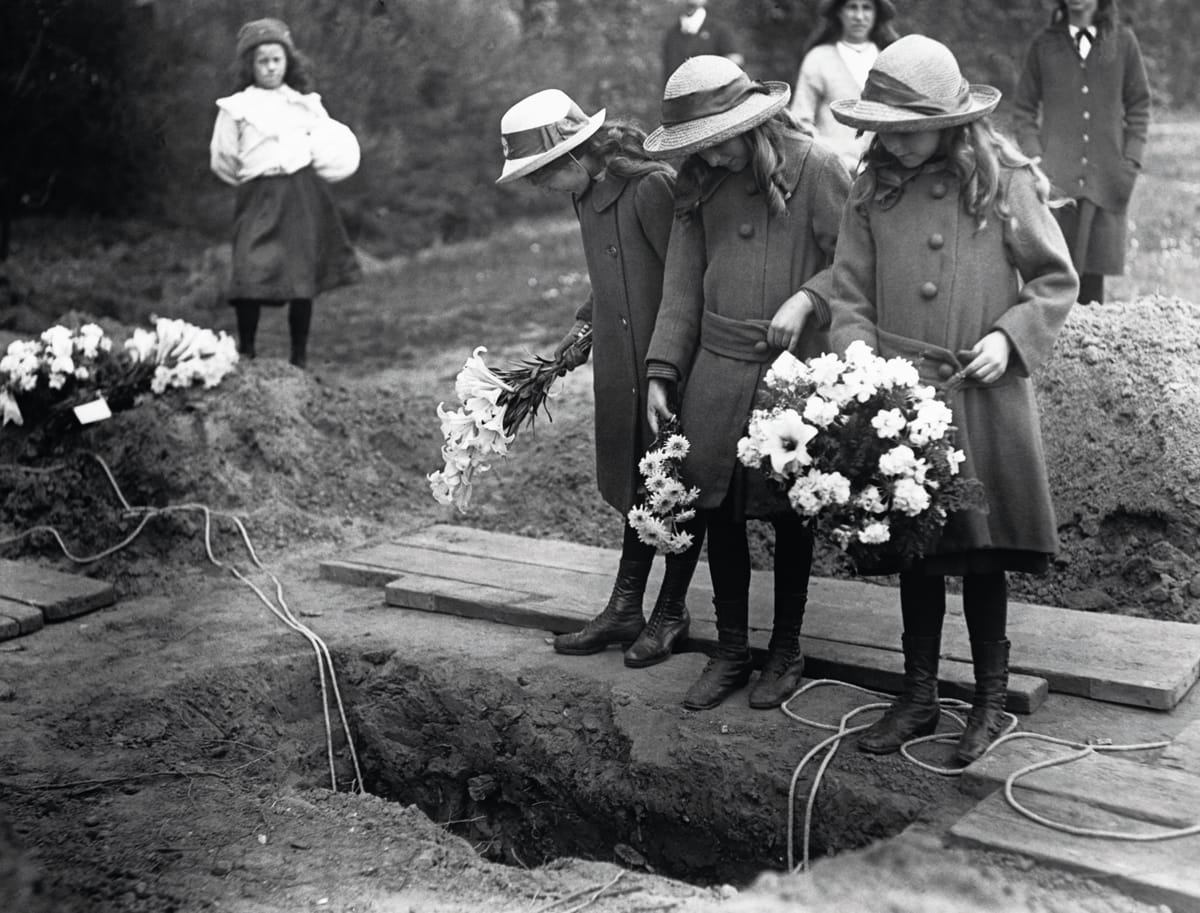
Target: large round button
point(945, 372)
point(1086, 137)
point(938, 190)
point(746, 230)
point(929, 290)
point(1085, 90)
point(761, 346)
point(1087, 115)
point(936, 241)
point(1083, 160)
point(611, 250)
point(624, 322)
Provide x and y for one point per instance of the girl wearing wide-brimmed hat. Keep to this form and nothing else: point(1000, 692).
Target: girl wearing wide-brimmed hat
point(949, 256)
point(275, 142)
point(1082, 109)
point(747, 276)
point(623, 199)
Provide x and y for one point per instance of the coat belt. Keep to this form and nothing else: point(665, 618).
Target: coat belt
point(744, 340)
point(936, 366)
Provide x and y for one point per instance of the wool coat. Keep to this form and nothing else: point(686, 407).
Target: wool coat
point(1087, 119)
point(921, 279)
point(625, 223)
point(730, 266)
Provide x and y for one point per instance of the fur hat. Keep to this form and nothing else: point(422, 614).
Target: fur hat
point(264, 31)
point(709, 99)
point(915, 85)
point(538, 129)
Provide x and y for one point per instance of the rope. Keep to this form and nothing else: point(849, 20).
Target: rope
point(950, 707)
point(325, 667)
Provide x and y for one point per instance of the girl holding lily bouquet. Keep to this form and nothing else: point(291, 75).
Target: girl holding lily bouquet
point(949, 256)
point(747, 276)
point(623, 200)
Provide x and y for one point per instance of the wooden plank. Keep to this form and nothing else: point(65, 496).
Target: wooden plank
point(1184, 751)
point(1137, 791)
point(9, 628)
point(58, 595)
point(1120, 659)
point(28, 618)
point(557, 613)
point(1158, 872)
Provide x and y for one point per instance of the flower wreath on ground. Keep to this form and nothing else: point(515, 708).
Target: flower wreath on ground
point(47, 383)
point(864, 449)
point(493, 406)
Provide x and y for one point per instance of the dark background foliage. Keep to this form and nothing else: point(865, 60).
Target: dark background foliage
point(106, 105)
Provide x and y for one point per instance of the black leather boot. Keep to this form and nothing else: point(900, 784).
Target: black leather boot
point(986, 720)
point(620, 622)
point(669, 622)
point(727, 670)
point(915, 712)
point(781, 673)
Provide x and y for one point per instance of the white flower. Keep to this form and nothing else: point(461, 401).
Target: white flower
point(142, 345)
point(786, 369)
point(889, 424)
point(955, 458)
point(870, 500)
point(824, 370)
point(9, 410)
point(900, 372)
point(476, 379)
point(932, 421)
point(909, 497)
point(676, 447)
point(875, 534)
point(899, 461)
point(785, 440)
point(859, 353)
point(651, 463)
point(59, 341)
point(820, 412)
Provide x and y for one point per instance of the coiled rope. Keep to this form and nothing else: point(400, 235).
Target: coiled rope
point(330, 693)
point(950, 707)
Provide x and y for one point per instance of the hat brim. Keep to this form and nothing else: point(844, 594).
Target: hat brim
point(694, 135)
point(515, 169)
point(880, 118)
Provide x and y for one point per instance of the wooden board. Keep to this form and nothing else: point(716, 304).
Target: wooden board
point(1115, 658)
point(25, 618)
point(59, 596)
point(1184, 751)
point(1158, 872)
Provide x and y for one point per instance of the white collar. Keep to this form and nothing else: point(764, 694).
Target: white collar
point(858, 48)
point(691, 25)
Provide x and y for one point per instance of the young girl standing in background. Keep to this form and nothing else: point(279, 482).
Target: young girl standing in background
point(624, 203)
point(949, 256)
point(747, 276)
point(276, 144)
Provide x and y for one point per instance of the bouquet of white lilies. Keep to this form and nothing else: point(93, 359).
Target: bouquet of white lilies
point(864, 448)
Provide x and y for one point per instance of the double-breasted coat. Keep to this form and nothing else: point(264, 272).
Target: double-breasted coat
point(1087, 119)
point(730, 266)
point(923, 280)
point(625, 224)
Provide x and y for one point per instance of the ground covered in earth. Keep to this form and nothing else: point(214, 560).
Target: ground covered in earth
point(138, 771)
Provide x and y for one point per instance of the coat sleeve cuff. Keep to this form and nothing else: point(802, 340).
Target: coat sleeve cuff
point(661, 370)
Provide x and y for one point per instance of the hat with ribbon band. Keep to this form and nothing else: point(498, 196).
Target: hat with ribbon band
point(708, 100)
point(915, 85)
point(264, 31)
point(538, 129)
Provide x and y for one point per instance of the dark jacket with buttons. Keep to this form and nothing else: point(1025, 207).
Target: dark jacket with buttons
point(1087, 118)
point(625, 225)
point(920, 279)
point(729, 268)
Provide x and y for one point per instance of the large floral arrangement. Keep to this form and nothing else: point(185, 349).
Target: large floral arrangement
point(43, 379)
point(494, 404)
point(862, 446)
point(667, 503)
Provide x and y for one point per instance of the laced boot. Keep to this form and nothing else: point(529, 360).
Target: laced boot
point(915, 712)
point(986, 721)
point(620, 622)
point(727, 670)
point(669, 622)
point(781, 673)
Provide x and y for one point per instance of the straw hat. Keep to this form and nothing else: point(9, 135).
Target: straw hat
point(264, 31)
point(709, 99)
point(915, 85)
point(538, 129)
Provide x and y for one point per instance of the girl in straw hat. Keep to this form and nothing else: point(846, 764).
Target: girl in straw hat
point(274, 142)
point(949, 256)
point(623, 200)
point(747, 276)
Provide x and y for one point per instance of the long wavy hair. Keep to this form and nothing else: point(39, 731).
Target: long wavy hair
point(976, 153)
point(767, 142)
point(1106, 18)
point(883, 32)
point(298, 75)
point(618, 144)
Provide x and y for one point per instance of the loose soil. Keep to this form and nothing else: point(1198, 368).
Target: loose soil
point(168, 753)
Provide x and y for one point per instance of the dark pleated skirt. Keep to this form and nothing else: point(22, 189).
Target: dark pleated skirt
point(288, 240)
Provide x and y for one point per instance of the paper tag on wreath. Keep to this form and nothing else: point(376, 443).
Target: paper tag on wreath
point(95, 411)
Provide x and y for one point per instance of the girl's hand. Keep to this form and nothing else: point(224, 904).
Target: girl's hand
point(989, 357)
point(658, 403)
point(788, 323)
